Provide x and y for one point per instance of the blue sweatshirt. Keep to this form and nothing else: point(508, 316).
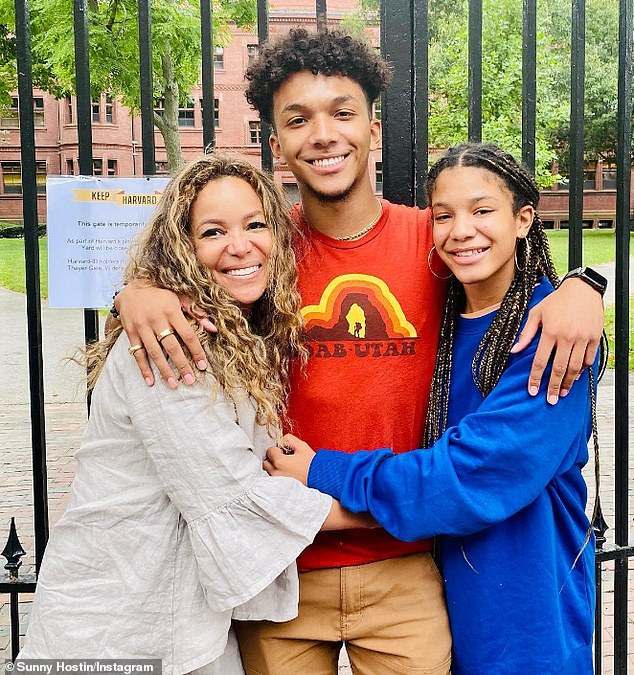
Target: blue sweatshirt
point(503, 486)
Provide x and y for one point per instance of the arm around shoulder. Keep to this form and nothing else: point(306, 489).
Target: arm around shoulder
point(493, 463)
point(571, 319)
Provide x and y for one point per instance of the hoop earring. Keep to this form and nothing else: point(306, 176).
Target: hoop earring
point(431, 269)
point(526, 253)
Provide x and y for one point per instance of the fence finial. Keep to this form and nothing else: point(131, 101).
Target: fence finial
point(599, 526)
point(13, 551)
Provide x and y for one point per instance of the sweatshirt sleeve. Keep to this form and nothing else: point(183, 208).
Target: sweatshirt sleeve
point(482, 471)
point(245, 527)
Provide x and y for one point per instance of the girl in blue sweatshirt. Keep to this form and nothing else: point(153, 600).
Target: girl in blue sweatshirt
point(500, 479)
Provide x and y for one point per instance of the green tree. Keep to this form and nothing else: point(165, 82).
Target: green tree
point(114, 53)
point(367, 14)
point(502, 77)
point(501, 81)
point(8, 74)
point(601, 81)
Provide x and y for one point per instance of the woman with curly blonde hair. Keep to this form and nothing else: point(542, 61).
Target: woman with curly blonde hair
point(251, 350)
point(173, 528)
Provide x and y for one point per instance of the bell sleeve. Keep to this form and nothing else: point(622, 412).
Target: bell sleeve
point(245, 526)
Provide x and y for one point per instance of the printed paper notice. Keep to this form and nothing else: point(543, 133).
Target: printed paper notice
point(90, 222)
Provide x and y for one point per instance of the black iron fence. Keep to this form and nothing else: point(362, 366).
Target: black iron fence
point(404, 42)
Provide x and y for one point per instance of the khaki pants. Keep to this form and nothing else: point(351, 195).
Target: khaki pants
point(391, 615)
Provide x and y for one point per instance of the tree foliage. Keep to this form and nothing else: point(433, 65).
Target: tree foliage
point(114, 65)
point(366, 14)
point(8, 74)
point(114, 52)
point(502, 77)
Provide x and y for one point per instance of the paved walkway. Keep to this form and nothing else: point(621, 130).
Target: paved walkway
point(62, 332)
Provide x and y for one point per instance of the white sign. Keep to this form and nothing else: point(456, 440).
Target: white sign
point(90, 222)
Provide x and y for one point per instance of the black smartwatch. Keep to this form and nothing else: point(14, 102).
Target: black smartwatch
point(592, 278)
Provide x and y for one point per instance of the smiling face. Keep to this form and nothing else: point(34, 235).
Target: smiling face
point(324, 133)
point(231, 237)
point(475, 231)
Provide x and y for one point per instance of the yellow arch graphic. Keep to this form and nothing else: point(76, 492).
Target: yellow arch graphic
point(324, 310)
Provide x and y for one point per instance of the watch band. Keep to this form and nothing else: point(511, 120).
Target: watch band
point(590, 276)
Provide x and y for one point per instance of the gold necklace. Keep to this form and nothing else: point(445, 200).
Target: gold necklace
point(365, 230)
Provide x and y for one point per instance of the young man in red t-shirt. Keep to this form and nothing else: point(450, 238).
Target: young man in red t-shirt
point(372, 308)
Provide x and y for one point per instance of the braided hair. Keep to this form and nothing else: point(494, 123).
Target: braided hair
point(533, 260)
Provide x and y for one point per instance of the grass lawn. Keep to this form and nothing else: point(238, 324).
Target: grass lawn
point(12, 265)
point(598, 247)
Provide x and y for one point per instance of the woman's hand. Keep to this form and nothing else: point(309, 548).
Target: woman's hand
point(571, 320)
point(146, 313)
point(291, 458)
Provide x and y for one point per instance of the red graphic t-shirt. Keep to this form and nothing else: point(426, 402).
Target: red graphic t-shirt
point(372, 312)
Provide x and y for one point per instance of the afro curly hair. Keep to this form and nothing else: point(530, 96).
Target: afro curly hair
point(326, 53)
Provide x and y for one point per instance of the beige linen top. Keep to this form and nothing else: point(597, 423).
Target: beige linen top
point(172, 529)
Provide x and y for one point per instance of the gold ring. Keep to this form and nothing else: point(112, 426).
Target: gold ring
point(163, 334)
point(133, 349)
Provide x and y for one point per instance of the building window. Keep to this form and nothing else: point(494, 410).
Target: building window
point(38, 111)
point(216, 111)
point(97, 167)
point(186, 114)
point(291, 191)
point(590, 176)
point(159, 106)
point(376, 109)
point(70, 167)
point(608, 172)
point(112, 167)
point(109, 109)
point(69, 110)
point(40, 177)
point(252, 52)
point(255, 136)
point(11, 118)
point(378, 176)
point(219, 58)
point(96, 111)
point(12, 177)
point(161, 168)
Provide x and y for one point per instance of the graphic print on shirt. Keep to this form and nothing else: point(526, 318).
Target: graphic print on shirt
point(358, 315)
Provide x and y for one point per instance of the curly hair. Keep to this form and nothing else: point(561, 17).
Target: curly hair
point(250, 352)
point(326, 53)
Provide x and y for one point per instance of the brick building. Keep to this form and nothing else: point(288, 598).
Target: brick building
point(599, 199)
point(117, 134)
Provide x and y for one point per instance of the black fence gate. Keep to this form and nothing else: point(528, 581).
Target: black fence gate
point(404, 42)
